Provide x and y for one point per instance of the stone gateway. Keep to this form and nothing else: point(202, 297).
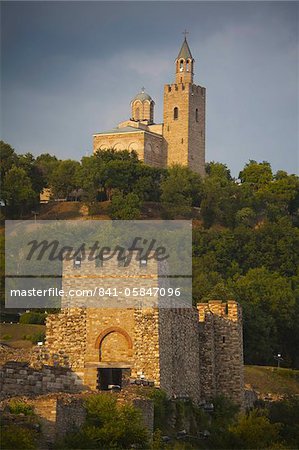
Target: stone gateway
point(194, 352)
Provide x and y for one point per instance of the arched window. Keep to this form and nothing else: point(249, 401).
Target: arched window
point(188, 66)
point(181, 65)
point(176, 113)
point(137, 114)
point(196, 115)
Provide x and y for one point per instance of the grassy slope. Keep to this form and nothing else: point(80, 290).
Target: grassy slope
point(17, 331)
point(79, 210)
point(272, 380)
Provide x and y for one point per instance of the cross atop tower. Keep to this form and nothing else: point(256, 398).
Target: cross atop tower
point(185, 32)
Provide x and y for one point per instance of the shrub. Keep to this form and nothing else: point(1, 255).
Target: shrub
point(17, 438)
point(18, 407)
point(161, 407)
point(125, 207)
point(33, 318)
point(108, 425)
point(254, 431)
point(38, 337)
point(6, 337)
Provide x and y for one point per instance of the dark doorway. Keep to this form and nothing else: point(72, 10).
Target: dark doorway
point(107, 378)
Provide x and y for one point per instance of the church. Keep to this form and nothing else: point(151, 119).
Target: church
point(180, 139)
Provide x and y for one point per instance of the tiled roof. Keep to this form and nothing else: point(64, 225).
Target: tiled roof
point(185, 52)
point(122, 130)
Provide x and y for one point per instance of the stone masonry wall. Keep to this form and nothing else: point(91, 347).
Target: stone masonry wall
point(197, 129)
point(179, 357)
point(146, 344)
point(66, 332)
point(70, 415)
point(185, 136)
point(222, 349)
point(207, 357)
point(121, 141)
point(18, 378)
point(154, 150)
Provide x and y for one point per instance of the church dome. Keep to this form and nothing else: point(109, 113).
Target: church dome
point(142, 96)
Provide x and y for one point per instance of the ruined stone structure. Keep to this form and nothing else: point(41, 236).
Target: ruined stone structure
point(180, 139)
point(18, 378)
point(191, 352)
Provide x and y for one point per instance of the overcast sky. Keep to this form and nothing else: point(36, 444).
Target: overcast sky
point(70, 69)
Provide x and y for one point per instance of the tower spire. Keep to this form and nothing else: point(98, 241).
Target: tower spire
point(184, 63)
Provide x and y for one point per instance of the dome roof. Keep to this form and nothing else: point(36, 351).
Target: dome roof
point(142, 96)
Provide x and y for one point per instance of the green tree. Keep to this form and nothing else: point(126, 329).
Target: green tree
point(221, 197)
point(280, 197)
point(119, 174)
point(27, 162)
point(16, 437)
point(46, 164)
point(125, 207)
point(148, 182)
point(116, 155)
point(91, 176)
point(218, 170)
point(253, 431)
point(286, 413)
point(65, 178)
point(17, 192)
point(256, 174)
point(8, 158)
point(246, 216)
point(181, 189)
point(268, 303)
point(108, 425)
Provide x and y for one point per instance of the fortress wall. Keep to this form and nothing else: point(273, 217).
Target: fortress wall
point(207, 358)
point(66, 333)
point(221, 349)
point(18, 378)
point(146, 344)
point(179, 359)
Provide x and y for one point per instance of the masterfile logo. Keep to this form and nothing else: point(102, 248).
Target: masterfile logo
point(98, 264)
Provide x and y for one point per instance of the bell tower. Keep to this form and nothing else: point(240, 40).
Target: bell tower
point(184, 115)
point(184, 65)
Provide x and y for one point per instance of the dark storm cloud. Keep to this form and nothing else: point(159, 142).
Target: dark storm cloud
point(70, 69)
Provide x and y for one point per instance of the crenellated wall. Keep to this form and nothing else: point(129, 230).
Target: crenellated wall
point(190, 352)
point(221, 348)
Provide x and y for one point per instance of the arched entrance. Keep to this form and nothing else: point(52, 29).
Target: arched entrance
point(115, 348)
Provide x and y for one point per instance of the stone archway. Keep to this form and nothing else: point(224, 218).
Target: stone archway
point(114, 344)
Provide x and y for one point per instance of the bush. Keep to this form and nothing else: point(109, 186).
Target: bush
point(161, 407)
point(254, 431)
point(6, 337)
point(286, 413)
point(33, 318)
point(37, 337)
point(108, 425)
point(18, 407)
point(17, 438)
point(125, 207)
